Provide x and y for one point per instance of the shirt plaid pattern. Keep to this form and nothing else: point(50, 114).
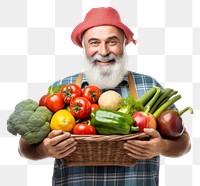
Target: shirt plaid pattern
point(144, 173)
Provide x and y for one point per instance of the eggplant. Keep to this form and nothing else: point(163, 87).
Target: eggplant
point(170, 123)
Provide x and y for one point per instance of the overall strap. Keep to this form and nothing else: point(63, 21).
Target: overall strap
point(132, 88)
point(131, 83)
point(79, 79)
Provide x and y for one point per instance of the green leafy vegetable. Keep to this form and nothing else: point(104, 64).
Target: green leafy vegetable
point(129, 106)
point(54, 89)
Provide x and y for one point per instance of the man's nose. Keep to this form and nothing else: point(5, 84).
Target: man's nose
point(103, 49)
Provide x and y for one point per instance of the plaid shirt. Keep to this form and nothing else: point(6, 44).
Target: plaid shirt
point(144, 173)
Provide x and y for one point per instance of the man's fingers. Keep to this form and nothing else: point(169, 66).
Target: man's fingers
point(64, 149)
point(54, 133)
point(151, 132)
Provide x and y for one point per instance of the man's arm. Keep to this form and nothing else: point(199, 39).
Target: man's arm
point(178, 147)
point(158, 146)
point(58, 144)
point(34, 152)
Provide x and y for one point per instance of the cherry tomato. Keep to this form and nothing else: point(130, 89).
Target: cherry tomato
point(94, 107)
point(83, 128)
point(55, 102)
point(80, 107)
point(70, 91)
point(43, 99)
point(92, 93)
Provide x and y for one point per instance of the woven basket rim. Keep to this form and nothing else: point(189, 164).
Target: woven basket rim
point(139, 135)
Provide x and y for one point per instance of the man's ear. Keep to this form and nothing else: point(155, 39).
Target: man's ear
point(83, 41)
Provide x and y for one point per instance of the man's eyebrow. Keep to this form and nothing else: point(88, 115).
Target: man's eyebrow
point(113, 37)
point(92, 39)
point(109, 38)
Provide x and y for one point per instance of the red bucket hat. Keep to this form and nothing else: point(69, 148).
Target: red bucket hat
point(98, 17)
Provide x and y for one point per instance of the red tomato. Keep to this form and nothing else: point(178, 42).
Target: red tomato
point(92, 93)
point(80, 107)
point(83, 128)
point(70, 91)
point(94, 107)
point(55, 102)
point(43, 99)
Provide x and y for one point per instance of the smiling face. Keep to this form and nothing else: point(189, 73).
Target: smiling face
point(103, 40)
point(104, 56)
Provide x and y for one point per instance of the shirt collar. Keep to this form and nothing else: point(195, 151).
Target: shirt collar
point(124, 82)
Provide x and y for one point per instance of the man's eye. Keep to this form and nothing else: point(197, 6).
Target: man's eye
point(112, 42)
point(94, 43)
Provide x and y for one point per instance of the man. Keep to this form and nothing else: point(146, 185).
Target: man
point(104, 37)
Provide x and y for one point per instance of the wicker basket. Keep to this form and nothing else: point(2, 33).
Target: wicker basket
point(102, 150)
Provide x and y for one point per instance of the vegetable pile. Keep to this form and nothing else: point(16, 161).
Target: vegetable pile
point(154, 109)
point(61, 108)
point(88, 111)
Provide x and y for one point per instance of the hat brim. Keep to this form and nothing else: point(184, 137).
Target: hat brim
point(78, 31)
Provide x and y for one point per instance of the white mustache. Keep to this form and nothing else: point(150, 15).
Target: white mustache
point(99, 57)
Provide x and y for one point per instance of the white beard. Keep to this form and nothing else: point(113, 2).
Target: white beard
point(108, 76)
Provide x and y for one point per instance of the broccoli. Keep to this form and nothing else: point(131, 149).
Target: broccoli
point(30, 120)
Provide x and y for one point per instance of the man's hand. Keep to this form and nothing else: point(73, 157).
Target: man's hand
point(145, 149)
point(59, 144)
